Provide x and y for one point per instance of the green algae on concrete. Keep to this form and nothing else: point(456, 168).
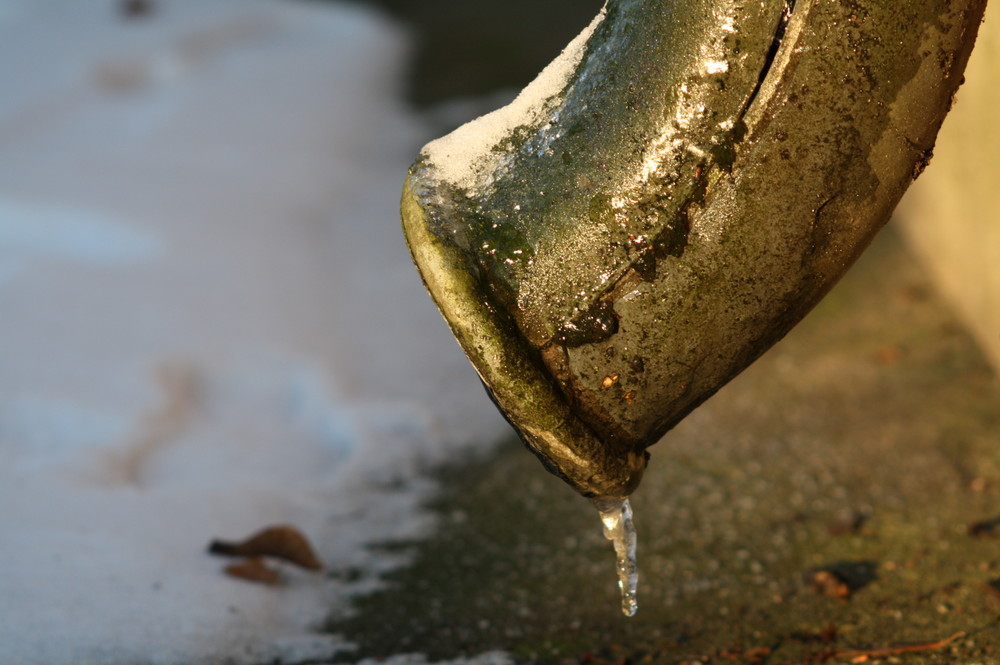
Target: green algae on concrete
point(864, 446)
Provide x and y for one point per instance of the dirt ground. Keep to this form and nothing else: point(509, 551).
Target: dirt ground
point(837, 502)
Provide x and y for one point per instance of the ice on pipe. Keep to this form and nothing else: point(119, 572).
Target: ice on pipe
point(616, 518)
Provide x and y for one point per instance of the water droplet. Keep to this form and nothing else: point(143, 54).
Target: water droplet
point(616, 516)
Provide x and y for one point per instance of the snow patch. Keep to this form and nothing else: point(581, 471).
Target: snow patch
point(466, 157)
point(71, 234)
point(211, 324)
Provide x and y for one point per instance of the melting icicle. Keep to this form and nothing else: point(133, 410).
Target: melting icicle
point(616, 515)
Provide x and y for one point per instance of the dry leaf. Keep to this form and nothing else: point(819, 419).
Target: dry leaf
point(255, 570)
point(280, 542)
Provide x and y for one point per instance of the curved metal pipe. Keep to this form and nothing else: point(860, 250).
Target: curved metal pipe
point(667, 200)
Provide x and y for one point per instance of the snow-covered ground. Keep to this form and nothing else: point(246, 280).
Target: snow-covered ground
point(209, 323)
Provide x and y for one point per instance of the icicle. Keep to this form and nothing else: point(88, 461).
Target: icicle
point(616, 516)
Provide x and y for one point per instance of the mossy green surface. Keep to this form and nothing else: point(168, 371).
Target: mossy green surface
point(865, 445)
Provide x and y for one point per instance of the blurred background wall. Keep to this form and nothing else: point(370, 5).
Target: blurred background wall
point(951, 215)
point(465, 48)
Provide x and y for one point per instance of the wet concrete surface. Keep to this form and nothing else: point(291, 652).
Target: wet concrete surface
point(841, 495)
